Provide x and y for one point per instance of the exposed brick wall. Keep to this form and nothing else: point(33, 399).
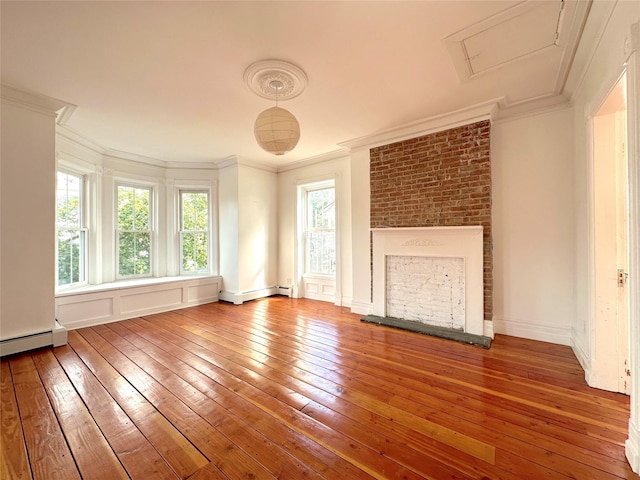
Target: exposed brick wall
point(442, 179)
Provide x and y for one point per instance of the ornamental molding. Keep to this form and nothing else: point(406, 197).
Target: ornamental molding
point(259, 76)
point(421, 242)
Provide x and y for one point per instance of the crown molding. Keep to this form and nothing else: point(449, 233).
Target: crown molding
point(79, 139)
point(475, 113)
point(536, 106)
point(232, 160)
point(38, 103)
point(325, 157)
point(598, 19)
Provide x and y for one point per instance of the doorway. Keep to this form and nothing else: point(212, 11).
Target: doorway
point(610, 340)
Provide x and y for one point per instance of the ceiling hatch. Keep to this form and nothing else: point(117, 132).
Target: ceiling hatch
point(529, 28)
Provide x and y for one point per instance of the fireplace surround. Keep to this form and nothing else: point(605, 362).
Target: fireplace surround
point(446, 243)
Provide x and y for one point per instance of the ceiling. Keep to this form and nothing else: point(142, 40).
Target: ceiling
point(164, 80)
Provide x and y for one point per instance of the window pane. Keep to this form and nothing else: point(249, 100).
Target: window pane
point(133, 208)
point(195, 211)
point(194, 231)
point(321, 238)
point(70, 264)
point(134, 253)
point(71, 236)
point(321, 209)
point(68, 200)
point(322, 252)
point(194, 252)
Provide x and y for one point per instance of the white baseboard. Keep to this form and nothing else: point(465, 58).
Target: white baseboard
point(346, 302)
point(240, 298)
point(55, 337)
point(544, 332)
point(581, 355)
point(361, 308)
point(632, 447)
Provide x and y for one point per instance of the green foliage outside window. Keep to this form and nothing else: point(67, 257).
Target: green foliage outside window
point(71, 236)
point(195, 231)
point(134, 231)
point(321, 237)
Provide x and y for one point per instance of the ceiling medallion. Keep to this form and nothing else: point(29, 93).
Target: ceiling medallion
point(260, 75)
point(276, 129)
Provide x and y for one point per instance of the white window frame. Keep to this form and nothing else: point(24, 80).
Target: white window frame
point(181, 231)
point(151, 229)
point(308, 189)
point(84, 255)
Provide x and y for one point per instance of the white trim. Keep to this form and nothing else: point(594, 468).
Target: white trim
point(325, 157)
point(544, 332)
point(531, 107)
point(237, 160)
point(581, 354)
point(36, 102)
point(361, 307)
point(56, 337)
point(466, 116)
point(632, 445)
point(595, 31)
point(345, 302)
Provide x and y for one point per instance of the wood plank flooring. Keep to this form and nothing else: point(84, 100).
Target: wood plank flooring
point(299, 389)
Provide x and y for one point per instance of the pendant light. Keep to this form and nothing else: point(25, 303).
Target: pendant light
point(276, 129)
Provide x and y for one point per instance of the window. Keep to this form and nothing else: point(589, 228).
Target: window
point(194, 232)
point(71, 234)
point(321, 235)
point(133, 231)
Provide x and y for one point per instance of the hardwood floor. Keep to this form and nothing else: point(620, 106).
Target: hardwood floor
point(298, 389)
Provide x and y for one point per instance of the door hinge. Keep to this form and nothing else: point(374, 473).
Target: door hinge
point(622, 277)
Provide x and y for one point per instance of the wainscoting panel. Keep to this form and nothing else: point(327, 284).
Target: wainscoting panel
point(100, 304)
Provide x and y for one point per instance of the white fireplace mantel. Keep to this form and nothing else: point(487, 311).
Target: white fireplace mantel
point(456, 242)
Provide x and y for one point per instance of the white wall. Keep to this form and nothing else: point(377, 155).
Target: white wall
point(248, 205)
point(288, 181)
point(228, 239)
point(28, 190)
point(360, 208)
point(258, 229)
point(533, 236)
point(28, 193)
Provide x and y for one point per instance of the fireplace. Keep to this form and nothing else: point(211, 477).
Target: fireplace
point(431, 275)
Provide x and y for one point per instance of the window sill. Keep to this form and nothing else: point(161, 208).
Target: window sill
point(126, 284)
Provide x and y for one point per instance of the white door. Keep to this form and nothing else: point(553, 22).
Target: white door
point(610, 339)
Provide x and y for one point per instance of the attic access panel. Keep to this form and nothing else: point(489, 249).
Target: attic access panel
point(526, 29)
point(517, 37)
